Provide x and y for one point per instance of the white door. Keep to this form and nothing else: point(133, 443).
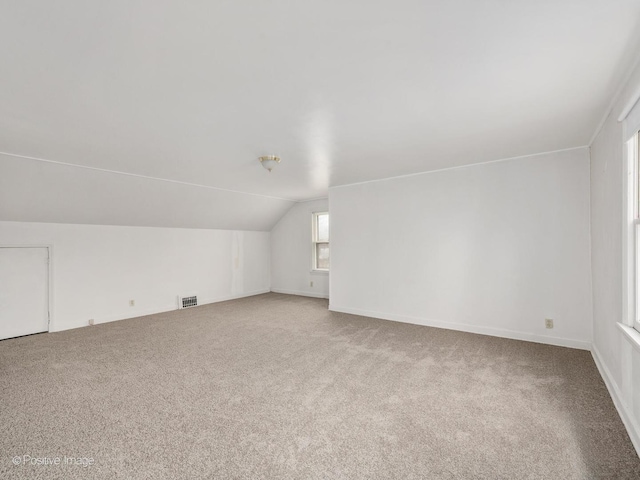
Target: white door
point(24, 291)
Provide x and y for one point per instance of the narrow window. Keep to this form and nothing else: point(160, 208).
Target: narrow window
point(320, 235)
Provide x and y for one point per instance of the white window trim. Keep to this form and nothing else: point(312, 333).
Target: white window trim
point(319, 272)
point(631, 229)
point(314, 226)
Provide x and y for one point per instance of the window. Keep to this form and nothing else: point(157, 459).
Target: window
point(320, 236)
point(634, 223)
point(630, 118)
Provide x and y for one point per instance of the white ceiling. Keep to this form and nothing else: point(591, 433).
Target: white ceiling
point(343, 91)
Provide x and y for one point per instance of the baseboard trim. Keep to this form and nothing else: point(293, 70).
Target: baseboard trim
point(163, 309)
point(300, 293)
point(118, 317)
point(225, 298)
point(494, 332)
point(633, 429)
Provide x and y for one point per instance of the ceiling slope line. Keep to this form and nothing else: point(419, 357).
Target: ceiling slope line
point(326, 197)
point(106, 170)
point(468, 165)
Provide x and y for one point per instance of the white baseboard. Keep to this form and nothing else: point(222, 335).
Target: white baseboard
point(492, 331)
point(633, 429)
point(300, 293)
point(116, 317)
point(134, 313)
point(225, 298)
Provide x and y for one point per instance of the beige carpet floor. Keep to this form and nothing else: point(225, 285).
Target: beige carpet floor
point(275, 386)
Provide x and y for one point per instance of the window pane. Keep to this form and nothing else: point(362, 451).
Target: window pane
point(322, 256)
point(637, 279)
point(323, 227)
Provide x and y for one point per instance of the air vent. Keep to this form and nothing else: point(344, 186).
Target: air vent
point(186, 302)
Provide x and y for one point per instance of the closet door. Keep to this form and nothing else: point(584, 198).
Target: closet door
point(24, 291)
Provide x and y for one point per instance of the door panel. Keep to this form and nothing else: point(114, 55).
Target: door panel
point(24, 291)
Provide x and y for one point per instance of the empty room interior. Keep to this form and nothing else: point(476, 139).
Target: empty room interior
point(320, 239)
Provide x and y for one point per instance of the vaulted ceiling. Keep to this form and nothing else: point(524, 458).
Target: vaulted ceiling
point(343, 91)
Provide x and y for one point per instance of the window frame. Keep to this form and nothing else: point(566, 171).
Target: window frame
point(315, 242)
point(631, 237)
point(634, 153)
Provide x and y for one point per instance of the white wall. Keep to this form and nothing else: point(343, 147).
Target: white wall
point(618, 360)
point(96, 269)
point(493, 248)
point(291, 253)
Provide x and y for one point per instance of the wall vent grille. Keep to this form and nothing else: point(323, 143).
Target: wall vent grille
point(186, 302)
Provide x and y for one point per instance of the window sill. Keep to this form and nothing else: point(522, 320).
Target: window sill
point(319, 272)
point(632, 335)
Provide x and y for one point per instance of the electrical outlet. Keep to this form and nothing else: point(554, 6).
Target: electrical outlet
point(548, 322)
point(132, 303)
point(311, 283)
point(91, 321)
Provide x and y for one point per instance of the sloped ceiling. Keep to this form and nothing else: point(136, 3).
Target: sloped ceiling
point(344, 92)
point(45, 192)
